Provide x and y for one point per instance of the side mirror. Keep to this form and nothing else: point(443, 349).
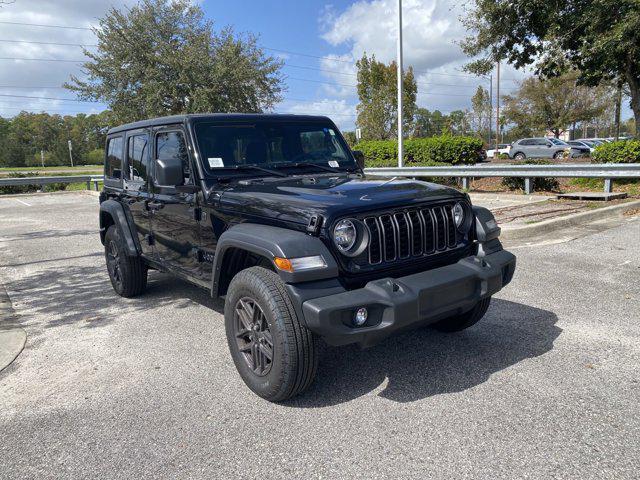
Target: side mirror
point(359, 156)
point(169, 172)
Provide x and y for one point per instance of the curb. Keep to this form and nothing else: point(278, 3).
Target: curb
point(553, 224)
point(12, 337)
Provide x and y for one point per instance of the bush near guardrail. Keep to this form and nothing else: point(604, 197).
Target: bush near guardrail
point(625, 151)
point(545, 184)
point(432, 151)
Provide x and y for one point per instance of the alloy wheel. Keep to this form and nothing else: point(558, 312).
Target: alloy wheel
point(253, 336)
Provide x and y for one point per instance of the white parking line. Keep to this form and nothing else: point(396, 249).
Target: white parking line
point(24, 203)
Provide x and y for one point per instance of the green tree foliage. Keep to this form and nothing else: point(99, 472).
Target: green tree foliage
point(480, 112)
point(24, 136)
point(378, 95)
point(600, 39)
point(554, 104)
point(429, 124)
point(161, 57)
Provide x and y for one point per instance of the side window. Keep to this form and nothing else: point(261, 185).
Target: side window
point(138, 157)
point(113, 163)
point(172, 145)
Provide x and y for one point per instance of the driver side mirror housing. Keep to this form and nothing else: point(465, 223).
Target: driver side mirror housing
point(359, 156)
point(169, 172)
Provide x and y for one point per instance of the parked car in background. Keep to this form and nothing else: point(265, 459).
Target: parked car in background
point(502, 148)
point(593, 141)
point(582, 145)
point(538, 148)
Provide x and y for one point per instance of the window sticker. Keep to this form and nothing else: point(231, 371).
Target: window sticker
point(215, 162)
point(334, 164)
point(331, 132)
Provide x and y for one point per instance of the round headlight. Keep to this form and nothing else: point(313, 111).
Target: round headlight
point(458, 214)
point(344, 235)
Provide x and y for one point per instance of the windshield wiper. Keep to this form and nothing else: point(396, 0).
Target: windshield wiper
point(311, 164)
point(277, 173)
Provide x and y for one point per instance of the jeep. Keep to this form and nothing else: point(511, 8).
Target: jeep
point(275, 215)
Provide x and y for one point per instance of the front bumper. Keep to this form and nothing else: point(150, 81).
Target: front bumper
point(397, 303)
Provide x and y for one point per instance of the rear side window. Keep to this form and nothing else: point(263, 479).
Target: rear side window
point(138, 155)
point(526, 141)
point(113, 163)
point(172, 145)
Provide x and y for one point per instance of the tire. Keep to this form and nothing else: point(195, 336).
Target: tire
point(128, 274)
point(557, 155)
point(464, 320)
point(271, 329)
point(519, 156)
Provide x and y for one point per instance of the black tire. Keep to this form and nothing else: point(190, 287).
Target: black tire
point(558, 155)
point(294, 358)
point(128, 274)
point(519, 156)
point(464, 320)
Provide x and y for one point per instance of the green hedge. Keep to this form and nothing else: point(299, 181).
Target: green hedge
point(625, 151)
point(442, 150)
point(539, 184)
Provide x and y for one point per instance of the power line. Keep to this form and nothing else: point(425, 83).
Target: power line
point(47, 26)
point(49, 43)
point(48, 98)
point(43, 59)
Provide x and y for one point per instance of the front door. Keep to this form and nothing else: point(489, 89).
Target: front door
point(136, 185)
point(175, 225)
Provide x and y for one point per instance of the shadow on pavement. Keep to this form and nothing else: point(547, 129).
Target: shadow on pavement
point(422, 363)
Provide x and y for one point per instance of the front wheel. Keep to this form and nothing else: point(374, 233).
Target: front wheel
point(464, 320)
point(128, 274)
point(275, 354)
point(520, 156)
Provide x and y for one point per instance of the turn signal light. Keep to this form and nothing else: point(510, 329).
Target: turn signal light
point(299, 264)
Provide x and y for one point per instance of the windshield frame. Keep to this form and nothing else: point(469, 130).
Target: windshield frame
point(229, 172)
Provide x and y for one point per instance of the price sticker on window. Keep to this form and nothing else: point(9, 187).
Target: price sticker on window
point(215, 162)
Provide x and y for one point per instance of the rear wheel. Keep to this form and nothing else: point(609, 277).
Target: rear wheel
point(464, 320)
point(275, 354)
point(558, 155)
point(128, 274)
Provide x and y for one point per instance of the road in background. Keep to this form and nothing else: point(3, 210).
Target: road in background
point(546, 386)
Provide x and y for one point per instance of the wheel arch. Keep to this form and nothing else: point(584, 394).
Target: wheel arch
point(113, 213)
point(265, 242)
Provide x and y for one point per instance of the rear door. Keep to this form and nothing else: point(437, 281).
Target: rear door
point(174, 220)
point(136, 185)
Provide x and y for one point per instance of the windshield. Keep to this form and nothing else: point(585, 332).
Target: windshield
point(225, 147)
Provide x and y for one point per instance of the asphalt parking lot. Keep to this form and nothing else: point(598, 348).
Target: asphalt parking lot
point(546, 386)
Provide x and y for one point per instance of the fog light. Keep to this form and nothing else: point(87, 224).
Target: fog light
point(361, 317)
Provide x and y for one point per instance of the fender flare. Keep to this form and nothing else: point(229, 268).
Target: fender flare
point(270, 242)
point(116, 211)
point(487, 228)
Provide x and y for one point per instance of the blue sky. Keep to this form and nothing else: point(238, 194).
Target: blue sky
point(329, 35)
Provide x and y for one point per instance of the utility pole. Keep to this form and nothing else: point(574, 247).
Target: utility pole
point(42, 157)
point(495, 153)
point(70, 152)
point(498, 105)
point(400, 136)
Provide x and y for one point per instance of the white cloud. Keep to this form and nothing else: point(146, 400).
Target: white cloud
point(339, 111)
point(27, 77)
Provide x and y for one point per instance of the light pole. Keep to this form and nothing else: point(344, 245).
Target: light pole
point(400, 136)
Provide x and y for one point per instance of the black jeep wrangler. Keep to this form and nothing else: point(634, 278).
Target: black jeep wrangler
point(274, 214)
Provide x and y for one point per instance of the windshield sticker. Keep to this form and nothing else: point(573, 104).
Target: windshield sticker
point(331, 132)
point(215, 162)
point(334, 164)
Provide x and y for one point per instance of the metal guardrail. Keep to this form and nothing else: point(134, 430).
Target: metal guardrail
point(41, 181)
point(607, 171)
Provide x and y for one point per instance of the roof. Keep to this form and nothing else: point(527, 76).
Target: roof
point(248, 117)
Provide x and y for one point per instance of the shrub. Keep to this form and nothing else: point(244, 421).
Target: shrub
point(625, 151)
point(442, 150)
point(94, 157)
point(544, 184)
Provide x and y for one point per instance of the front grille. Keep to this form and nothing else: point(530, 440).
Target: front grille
point(410, 233)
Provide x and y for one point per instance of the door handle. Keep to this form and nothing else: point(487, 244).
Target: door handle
point(153, 206)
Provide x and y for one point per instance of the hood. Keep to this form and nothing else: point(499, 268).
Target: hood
point(297, 199)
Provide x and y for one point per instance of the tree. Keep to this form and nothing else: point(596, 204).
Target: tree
point(554, 104)
point(481, 110)
point(378, 95)
point(457, 122)
point(162, 57)
point(599, 39)
point(428, 124)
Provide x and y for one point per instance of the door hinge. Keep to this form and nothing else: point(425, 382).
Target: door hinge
point(197, 214)
point(315, 223)
point(150, 239)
